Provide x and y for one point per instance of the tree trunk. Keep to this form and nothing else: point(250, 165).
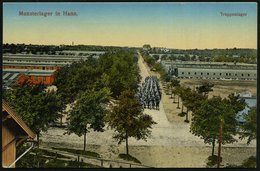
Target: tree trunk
point(38, 139)
point(85, 135)
point(182, 108)
point(187, 115)
point(126, 143)
point(178, 102)
point(38, 145)
point(213, 146)
point(61, 120)
point(174, 98)
point(171, 93)
point(219, 145)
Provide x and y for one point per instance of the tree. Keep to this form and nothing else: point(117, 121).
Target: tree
point(128, 120)
point(183, 95)
point(88, 113)
point(178, 90)
point(115, 70)
point(79, 76)
point(174, 83)
point(147, 46)
point(205, 88)
point(249, 128)
point(156, 57)
point(122, 70)
point(191, 100)
point(37, 107)
point(215, 119)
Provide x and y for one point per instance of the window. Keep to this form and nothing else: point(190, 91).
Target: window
point(36, 78)
point(248, 75)
point(214, 73)
point(220, 73)
point(229, 74)
point(182, 73)
point(226, 74)
point(235, 74)
point(207, 73)
point(195, 73)
point(189, 73)
point(242, 75)
point(201, 73)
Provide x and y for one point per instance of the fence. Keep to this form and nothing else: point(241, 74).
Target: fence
point(99, 161)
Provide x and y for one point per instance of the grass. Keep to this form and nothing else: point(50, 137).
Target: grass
point(51, 154)
point(81, 152)
point(129, 158)
point(30, 161)
point(56, 163)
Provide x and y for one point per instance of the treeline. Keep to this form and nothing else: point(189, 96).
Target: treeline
point(251, 60)
point(155, 66)
point(241, 55)
point(52, 49)
point(240, 52)
point(30, 49)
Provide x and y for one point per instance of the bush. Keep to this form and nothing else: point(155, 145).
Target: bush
point(213, 160)
point(182, 114)
point(250, 162)
point(187, 121)
point(129, 158)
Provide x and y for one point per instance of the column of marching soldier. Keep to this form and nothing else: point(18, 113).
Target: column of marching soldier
point(149, 94)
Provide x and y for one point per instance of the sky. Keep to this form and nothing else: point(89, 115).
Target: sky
point(169, 25)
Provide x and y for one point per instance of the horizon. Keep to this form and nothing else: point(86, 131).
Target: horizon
point(164, 25)
point(128, 46)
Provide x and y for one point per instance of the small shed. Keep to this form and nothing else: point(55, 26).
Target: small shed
point(14, 132)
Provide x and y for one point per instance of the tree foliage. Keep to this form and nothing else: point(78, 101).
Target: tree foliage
point(116, 70)
point(211, 114)
point(88, 112)
point(205, 88)
point(37, 107)
point(122, 71)
point(249, 128)
point(128, 120)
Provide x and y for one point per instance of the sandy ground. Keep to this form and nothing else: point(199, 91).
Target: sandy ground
point(170, 145)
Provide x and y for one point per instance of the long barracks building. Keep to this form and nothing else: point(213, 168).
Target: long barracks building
point(211, 70)
point(37, 68)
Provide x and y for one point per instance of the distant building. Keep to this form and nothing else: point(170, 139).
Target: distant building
point(211, 70)
point(34, 76)
point(14, 132)
point(38, 68)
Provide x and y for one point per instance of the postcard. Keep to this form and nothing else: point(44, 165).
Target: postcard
point(129, 85)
